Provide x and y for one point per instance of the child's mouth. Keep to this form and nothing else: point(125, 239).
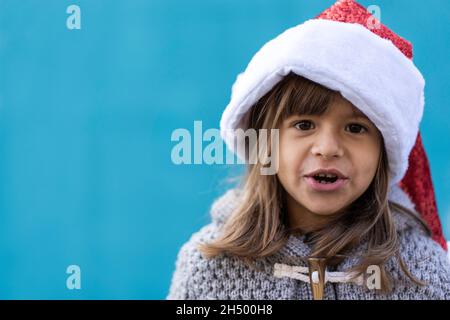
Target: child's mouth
point(325, 183)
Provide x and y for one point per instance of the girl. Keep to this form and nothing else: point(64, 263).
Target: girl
point(334, 222)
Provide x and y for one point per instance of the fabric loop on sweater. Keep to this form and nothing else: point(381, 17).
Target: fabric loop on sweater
point(301, 273)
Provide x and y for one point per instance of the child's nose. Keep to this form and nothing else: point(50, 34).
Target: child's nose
point(327, 145)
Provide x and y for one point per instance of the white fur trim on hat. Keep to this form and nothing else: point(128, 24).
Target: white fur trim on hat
point(366, 69)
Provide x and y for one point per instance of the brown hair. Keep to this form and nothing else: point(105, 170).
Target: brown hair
point(259, 226)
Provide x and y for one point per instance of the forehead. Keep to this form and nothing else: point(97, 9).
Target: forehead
point(344, 108)
point(357, 113)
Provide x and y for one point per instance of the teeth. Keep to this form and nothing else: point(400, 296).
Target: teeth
point(322, 175)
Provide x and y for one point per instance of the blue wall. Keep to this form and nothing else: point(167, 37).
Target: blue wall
point(86, 118)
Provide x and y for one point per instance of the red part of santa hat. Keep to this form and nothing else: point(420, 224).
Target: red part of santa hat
point(417, 182)
point(418, 185)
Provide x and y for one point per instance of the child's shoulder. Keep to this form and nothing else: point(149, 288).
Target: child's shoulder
point(199, 277)
point(193, 271)
point(224, 205)
point(419, 248)
point(410, 231)
point(190, 265)
point(423, 256)
point(415, 243)
point(220, 210)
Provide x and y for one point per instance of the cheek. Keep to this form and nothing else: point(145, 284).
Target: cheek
point(290, 154)
point(291, 157)
point(367, 161)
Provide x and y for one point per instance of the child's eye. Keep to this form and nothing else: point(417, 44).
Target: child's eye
point(308, 125)
point(356, 128)
point(304, 125)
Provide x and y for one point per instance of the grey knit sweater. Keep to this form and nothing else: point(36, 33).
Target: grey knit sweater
point(226, 277)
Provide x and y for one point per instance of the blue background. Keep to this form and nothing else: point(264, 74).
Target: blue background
point(86, 118)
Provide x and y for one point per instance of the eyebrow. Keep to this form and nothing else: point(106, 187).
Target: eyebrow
point(357, 114)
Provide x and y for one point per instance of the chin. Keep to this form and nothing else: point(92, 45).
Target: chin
point(324, 210)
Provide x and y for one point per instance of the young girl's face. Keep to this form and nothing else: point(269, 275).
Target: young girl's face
point(342, 139)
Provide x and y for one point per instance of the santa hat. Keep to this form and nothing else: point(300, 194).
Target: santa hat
point(347, 50)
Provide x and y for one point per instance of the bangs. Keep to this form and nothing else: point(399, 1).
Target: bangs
point(293, 95)
point(303, 97)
